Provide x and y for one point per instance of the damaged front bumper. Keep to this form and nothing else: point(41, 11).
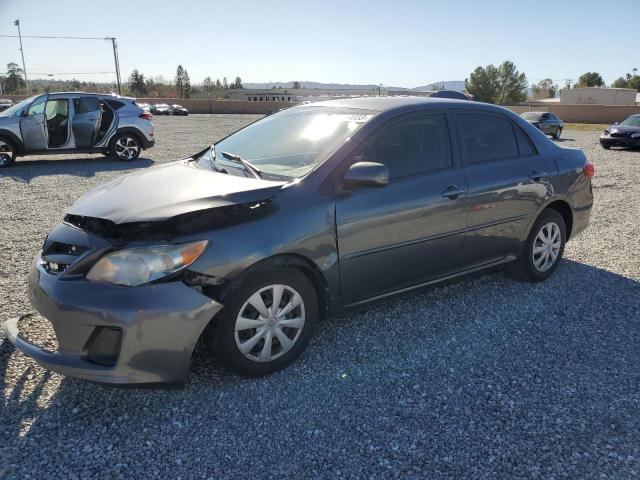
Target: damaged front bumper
point(115, 334)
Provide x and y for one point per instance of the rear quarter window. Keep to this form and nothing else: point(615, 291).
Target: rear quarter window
point(115, 104)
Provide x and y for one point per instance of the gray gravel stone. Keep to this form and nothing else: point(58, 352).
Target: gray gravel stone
point(484, 378)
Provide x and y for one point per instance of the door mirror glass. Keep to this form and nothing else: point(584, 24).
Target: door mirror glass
point(366, 174)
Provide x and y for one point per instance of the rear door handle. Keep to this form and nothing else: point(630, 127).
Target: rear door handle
point(452, 192)
point(535, 175)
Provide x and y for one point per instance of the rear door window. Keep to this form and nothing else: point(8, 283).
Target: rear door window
point(486, 137)
point(86, 104)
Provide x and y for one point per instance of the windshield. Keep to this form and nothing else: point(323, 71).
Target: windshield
point(292, 142)
point(531, 116)
point(18, 107)
point(632, 121)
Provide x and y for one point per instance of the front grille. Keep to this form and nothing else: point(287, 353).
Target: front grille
point(57, 257)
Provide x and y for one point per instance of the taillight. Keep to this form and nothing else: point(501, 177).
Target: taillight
point(145, 115)
point(589, 170)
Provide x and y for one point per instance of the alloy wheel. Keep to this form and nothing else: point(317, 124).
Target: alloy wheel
point(127, 148)
point(269, 323)
point(546, 247)
point(6, 153)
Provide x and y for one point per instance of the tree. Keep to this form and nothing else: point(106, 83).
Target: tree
point(503, 85)
point(13, 82)
point(544, 89)
point(296, 85)
point(180, 80)
point(619, 82)
point(208, 85)
point(483, 84)
point(628, 81)
point(589, 79)
point(218, 84)
point(137, 84)
point(225, 85)
point(237, 83)
point(186, 85)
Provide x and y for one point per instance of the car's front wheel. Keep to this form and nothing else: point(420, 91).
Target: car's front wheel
point(266, 323)
point(7, 153)
point(125, 147)
point(557, 133)
point(544, 247)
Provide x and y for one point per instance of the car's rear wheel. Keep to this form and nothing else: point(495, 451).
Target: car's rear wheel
point(266, 323)
point(557, 133)
point(125, 147)
point(7, 153)
point(544, 247)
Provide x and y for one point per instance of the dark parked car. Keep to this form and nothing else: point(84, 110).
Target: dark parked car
point(5, 103)
point(161, 109)
point(452, 94)
point(179, 110)
point(305, 212)
point(623, 134)
point(546, 122)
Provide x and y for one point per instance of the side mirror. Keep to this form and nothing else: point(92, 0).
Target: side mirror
point(366, 174)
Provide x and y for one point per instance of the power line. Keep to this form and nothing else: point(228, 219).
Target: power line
point(114, 44)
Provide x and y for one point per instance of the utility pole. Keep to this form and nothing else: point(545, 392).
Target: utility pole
point(24, 67)
point(117, 62)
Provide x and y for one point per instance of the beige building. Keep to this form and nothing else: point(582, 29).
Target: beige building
point(598, 96)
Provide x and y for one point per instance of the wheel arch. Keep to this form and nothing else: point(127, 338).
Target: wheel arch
point(300, 262)
point(564, 209)
point(13, 138)
point(130, 130)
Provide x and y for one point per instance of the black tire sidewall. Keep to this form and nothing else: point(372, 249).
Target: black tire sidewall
point(222, 339)
point(118, 136)
point(526, 259)
point(14, 153)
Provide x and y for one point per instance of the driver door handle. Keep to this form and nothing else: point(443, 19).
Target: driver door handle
point(452, 192)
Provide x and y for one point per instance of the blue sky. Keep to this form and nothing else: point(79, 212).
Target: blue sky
point(401, 43)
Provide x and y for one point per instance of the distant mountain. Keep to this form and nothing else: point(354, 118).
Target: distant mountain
point(457, 85)
point(448, 85)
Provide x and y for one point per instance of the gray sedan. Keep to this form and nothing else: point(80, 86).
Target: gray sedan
point(244, 245)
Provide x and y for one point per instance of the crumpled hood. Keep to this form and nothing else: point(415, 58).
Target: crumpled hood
point(162, 192)
point(623, 129)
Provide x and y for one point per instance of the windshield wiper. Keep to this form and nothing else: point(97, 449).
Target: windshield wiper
point(212, 161)
point(247, 166)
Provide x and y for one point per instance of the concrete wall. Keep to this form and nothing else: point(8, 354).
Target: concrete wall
point(598, 96)
point(583, 113)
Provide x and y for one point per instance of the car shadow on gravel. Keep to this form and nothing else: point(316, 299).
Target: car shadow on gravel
point(397, 360)
point(26, 170)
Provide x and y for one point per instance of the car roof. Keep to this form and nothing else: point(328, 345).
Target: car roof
point(384, 104)
point(92, 94)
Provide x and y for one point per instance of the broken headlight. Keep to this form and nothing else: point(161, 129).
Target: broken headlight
point(137, 266)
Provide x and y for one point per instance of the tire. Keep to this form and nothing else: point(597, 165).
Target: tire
point(8, 153)
point(557, 133)
point(125, 146)
point(606, 147)
point(531, 265)
point(228, 344)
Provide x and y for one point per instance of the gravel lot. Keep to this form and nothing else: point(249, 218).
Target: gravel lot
point(487, 378)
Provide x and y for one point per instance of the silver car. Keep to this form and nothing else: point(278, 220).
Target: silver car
point(75, 122)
